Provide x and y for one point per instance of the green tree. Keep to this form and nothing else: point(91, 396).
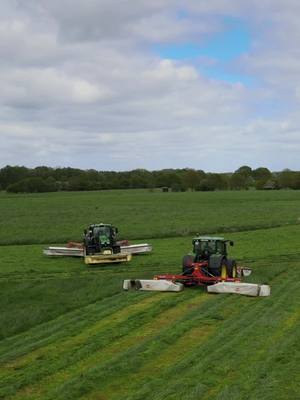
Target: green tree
point(238, 181)
point(191, 178)
point(33, 185)
point(289, 179)
point(244, 170)
point(261, 174)
point(12, 174)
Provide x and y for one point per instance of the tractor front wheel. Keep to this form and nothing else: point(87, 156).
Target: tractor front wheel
point(187, 264)
point(231, 269)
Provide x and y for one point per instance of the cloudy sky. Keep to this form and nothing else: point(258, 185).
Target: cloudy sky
point(123, 84)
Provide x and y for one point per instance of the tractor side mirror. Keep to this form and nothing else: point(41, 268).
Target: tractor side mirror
point(231, 243)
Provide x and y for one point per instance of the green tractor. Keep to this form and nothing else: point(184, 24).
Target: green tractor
point(101, 246)
point(212, 251)
point(101, 238)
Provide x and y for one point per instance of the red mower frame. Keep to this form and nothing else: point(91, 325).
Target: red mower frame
point(199, 276)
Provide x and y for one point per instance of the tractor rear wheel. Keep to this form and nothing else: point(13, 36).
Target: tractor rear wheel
point(231, 269)
point(187, 264)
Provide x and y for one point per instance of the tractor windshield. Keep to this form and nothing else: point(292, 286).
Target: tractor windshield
point(104, 230)
point(103, 233)
point(209, 247)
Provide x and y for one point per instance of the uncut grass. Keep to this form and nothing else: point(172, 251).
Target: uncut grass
point(58, 217)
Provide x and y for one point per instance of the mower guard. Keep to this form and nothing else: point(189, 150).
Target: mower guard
point(107, 258)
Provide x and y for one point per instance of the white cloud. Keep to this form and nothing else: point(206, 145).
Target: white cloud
point(82, 78)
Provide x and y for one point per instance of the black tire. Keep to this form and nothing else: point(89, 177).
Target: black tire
point(187, 262)
point(231, 268)
point(116, 249)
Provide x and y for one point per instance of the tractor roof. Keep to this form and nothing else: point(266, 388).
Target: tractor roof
point(207, 238)
point(97, 225)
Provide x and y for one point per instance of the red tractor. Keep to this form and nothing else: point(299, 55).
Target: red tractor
point(207, 265)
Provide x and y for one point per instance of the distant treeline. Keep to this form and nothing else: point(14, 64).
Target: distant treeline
point(18, 179)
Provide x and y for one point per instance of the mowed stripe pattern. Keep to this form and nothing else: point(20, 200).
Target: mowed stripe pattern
point(200, 344)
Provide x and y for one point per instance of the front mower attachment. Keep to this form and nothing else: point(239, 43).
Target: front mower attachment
point(107, 258)
point(78, 251)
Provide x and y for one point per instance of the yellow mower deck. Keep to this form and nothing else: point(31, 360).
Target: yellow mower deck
point(107, 258)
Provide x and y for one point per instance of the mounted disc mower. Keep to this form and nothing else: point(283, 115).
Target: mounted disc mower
point(207, 265)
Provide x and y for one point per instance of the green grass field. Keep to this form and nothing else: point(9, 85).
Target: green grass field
point(68, 331)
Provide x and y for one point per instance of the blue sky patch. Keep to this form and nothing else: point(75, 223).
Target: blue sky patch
point(222, 47)
point(228, 76)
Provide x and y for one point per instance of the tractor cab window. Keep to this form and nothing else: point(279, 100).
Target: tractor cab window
point(220, 247)
point(207, 246)
point(104, 230)
point(210, 246)
point(104, 235)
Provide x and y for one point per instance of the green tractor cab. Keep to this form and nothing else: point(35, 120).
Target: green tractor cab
point(205, 246)
point(213, 250)
point(101, 238)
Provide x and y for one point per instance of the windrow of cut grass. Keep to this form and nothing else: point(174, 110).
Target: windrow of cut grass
point(141, 214)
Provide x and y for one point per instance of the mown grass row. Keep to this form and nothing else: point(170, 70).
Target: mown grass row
point(141, 341)
point(140, 214)
point(137, 363)
point(235, 351)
